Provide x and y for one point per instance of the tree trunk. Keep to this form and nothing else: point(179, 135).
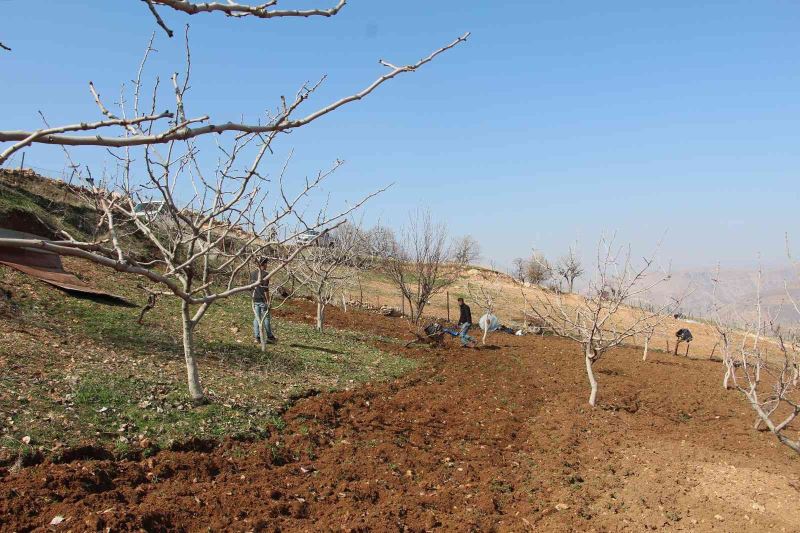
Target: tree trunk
point(416, 315)
point(192, 373)
point(570, 283)
point(590, 374)
point(727, 376)
point(320, 316)
point(646, 342)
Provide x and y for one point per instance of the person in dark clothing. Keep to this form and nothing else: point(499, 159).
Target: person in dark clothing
point(261, 309)
point(683, 335)
point(464, 322)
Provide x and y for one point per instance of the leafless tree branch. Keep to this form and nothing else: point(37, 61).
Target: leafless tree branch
point(233, 9)
point(182, 130)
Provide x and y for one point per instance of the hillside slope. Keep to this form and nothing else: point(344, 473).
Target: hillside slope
point(511, 305)
point(61, 204)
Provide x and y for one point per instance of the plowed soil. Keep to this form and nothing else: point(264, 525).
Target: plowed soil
point(499, 438)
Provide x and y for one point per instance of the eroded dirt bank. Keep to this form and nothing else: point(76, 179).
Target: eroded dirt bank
point(499, 438)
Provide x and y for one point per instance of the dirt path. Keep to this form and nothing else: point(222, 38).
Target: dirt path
point(499, 438)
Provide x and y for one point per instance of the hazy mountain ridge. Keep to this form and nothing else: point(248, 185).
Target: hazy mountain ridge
point(736, 291)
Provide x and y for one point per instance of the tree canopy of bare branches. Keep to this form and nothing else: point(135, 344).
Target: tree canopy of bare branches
point(762, 362)
point(138, 126)
point(213, 224)
point(328, 270)
point(485, 294)
point(570, 268)
point(466, 250)
point(594, 320)
point(421, 262)
point(538, 269)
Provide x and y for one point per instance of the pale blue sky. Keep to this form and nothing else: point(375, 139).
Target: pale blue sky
point(556, 121)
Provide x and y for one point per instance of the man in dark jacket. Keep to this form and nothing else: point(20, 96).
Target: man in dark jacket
point(464, 322)
point(261, 303)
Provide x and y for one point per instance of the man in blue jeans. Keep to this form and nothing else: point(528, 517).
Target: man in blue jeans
point(464, 322)
point(261, 304)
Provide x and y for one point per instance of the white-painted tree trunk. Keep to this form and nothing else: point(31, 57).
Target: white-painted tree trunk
point(590, 374)
point(646, 342)
point(726, 379)
point(320, 316)
point(192, 373)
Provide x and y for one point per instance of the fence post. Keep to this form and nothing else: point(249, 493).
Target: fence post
point(448, 306)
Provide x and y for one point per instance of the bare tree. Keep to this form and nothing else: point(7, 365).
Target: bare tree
point(327, 270)
point(594, 321)
point(519, 269)
point(761, 362)
point(649, 325)
point(570, 268)
point(214, 224)
point(205, 245)
point(380, 241)
point(485, 294)
point(538, 269)
point(421, 263)
point(466, 250)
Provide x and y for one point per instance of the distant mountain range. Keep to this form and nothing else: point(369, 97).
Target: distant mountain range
point(736, 291)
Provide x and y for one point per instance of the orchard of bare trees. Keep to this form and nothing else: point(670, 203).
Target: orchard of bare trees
point(327, 271)
point(761, 361)
point(538, 270)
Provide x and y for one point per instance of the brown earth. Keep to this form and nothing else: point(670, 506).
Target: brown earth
point(499, 438)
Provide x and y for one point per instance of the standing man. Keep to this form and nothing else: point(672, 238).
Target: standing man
point(464, 322)
point(261, 303)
